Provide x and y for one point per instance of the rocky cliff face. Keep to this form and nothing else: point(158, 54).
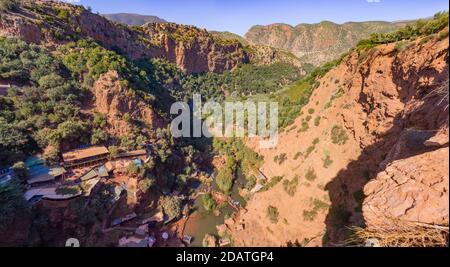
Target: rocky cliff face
point(192, 49)
point(266, 55)
point(317, 43)
point(121, 105)
point(375, 151)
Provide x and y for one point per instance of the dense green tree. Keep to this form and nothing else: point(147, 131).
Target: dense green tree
point(171, 206)
point(12, 203)
point(20, 171)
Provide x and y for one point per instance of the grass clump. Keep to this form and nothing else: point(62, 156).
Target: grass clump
point(337, 94)
point(298, 155)
point(291, 186)
point(400, 234)
point(338, 135)
point(272, 213)
point(280, 159)
point(311, 174)
point(327, 160)
point(318, 205)
point(273, 182)
point(208, 202)
point(317, 121)
point(304, 128)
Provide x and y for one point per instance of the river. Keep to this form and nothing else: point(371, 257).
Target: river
point(203, 222)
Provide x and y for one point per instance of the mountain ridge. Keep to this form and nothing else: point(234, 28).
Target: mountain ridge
point(317, 43)
point(133, 19)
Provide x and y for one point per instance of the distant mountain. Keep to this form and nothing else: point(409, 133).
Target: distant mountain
point(133, 19)
point(321, 42)
point(229, 36)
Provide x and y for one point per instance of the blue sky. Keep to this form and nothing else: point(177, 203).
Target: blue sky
point(239, 15)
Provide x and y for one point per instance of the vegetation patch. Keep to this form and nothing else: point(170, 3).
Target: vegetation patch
point(208, 202)
point(304, 127)
point(337, 94)
point(171, 206)
point(273, 182)
point(272, 213)
point(291, 186)
point(317, 121)
point(327, 160)
point(298, 155)
point(338, 135)
point(280, 159)
point(310, 174)
point(68, 190)
point(317, 206)
point(409, 32)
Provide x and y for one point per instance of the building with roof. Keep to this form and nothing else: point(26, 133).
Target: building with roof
point(39, 173)
point(51, 193)
point(132, 154)
point(85, 157)
point(98, 172)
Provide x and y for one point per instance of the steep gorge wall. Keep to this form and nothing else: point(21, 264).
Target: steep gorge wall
point(50, 23)
point(392, 166)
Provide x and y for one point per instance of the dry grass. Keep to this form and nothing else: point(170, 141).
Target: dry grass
point(442, 92)
point(401, 235)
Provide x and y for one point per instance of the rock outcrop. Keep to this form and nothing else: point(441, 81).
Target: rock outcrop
point(121, 105)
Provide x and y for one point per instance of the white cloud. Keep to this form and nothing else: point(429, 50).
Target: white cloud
point(373, 1)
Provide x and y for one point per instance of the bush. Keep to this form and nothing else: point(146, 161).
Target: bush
point(12, 203)
point(8, 5)
point(68, 190)
point(280, 159)
point(99, 136)
point(145, 184)
point(208, 202)
point(304, 128)
point(327, 161)
point(338, 135)
point(226, 175)
point(309, 150)
point(311, 175)
point(317, 121)
point(272, 213)
point(291, 186)
point(318, 205)
point(20, 171)
point(273, 182)
point(297, 155)
point(171, 206)
point(251, 182)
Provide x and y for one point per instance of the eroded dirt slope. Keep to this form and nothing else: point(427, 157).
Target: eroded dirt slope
point(383, 119)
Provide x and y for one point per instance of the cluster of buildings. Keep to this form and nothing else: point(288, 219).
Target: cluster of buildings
point(79, 172)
